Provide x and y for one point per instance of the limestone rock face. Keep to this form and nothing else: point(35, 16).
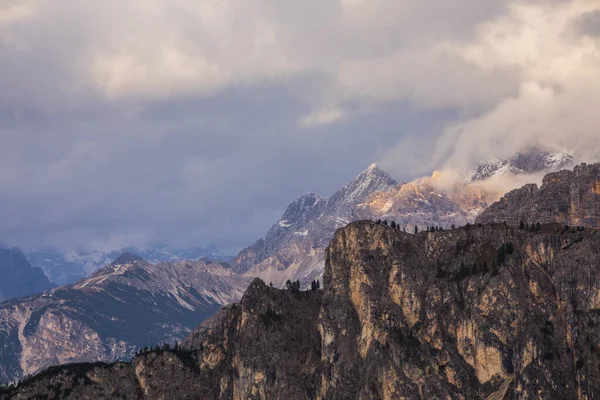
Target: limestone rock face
point(481, 312)
point(566, 197)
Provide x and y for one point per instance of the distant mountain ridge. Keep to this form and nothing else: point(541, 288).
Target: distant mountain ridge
point(528, 161)
point(66, 268)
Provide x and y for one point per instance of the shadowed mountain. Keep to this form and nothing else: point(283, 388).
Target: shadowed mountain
point(18, 278)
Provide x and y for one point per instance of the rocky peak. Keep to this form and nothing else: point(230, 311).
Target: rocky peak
point(371, 180)
point(299, 209)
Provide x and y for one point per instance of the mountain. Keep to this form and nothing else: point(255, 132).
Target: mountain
point(18, 278)
point(66, 268)
point(566, 197)
point(427, 202)
point(529, 161)
point(481, 312)
point(118, 309)
point(293, 247)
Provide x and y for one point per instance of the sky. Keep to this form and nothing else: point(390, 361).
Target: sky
point(194, 122)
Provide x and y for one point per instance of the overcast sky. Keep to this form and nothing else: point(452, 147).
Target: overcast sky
point(197, 121)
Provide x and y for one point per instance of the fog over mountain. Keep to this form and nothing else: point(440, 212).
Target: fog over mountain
point(183, 123)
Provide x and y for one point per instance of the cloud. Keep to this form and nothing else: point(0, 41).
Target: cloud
point(558, 82)
point(186, 121)
point(322, 116)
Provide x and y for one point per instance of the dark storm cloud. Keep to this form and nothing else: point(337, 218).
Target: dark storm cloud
point(590, 23)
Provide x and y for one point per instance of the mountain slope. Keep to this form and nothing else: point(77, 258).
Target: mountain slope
point(109, 315)
point(18, 278)
point(481, 312)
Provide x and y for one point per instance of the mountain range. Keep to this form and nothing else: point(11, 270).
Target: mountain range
point(131, 303)
point(294, 247)
point(64, 268)
point(486, 311)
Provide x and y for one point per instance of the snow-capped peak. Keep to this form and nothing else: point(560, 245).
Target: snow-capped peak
point(529, 161)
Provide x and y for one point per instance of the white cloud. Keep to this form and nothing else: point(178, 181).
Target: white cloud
point(13, 11)
point(558, 74)
point(322, 116)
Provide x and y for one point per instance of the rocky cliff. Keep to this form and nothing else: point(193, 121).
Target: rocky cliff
point(481, 312)
point(566, 197)
point(108, 316)
point(18, 278)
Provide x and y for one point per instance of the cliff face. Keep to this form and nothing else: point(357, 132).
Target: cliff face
point(490, 312)
point(566, 197)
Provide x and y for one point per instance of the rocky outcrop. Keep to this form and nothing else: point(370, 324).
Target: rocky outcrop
point(481, 312)
point(565, 197)
point(108, 316)
point(18, 278)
